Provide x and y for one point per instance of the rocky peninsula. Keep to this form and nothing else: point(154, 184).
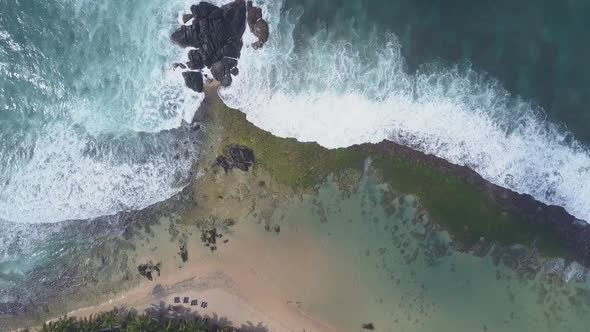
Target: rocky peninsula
point(238, 236)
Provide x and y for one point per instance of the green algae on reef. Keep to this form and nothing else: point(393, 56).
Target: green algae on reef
point(460, 207)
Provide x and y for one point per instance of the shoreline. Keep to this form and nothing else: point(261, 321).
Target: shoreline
point(210, 191)
point(271, 234)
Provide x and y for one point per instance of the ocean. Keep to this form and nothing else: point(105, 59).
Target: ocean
point(348, 72)
point(88, 95)
point(91, 112)
point(94, 120)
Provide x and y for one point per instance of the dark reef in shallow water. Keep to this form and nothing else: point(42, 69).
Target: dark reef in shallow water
point(573, 234)
point(147, 270)
point(238, 156)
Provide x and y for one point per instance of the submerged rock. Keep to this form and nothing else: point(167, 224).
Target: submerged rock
point(222, 162)
point(177, 65)
point(554, 267)
point(242, 157)
point(183, 252)
point(238, 156)
point(147, 270)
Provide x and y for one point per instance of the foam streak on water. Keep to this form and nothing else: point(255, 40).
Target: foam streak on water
point(90, 108)
point(339, 89)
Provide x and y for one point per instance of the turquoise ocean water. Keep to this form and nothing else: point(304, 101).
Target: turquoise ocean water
point(496, 86)
point(87, 104)
point(87, 94)
point(93, 118)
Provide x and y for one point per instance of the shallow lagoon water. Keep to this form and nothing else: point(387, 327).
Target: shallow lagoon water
point(343, 257)
point(389, 266)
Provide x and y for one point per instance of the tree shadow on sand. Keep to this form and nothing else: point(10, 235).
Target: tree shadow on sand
point(176, 313)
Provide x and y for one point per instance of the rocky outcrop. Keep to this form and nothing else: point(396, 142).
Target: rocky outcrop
point(183, 252)
point(216, 33)
point(241, 156)
point(147, 270)
point(258, 26)
point(238, 156)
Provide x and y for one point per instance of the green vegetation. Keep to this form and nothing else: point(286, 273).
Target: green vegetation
point(154, 320)
point(459, 207)
point(299, 165)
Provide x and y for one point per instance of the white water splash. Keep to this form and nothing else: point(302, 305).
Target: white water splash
point(92, 136)
point(340, 92)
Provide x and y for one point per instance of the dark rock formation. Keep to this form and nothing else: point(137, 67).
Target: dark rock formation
point(221, 70)
point(181, 65)
point(187, 17)
point(146, 270)
point(222, 162)
point(216, 34)
point(241, 156)
point(193, 80)
point(209, 238)
point(258, 26)
point(183, 252)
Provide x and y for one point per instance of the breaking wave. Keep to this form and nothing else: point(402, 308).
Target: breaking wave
point(339, 87)
point(91, 111)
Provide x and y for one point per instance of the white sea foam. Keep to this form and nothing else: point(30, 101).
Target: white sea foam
point(97, 139)
point(70, 175)
point(340, 92)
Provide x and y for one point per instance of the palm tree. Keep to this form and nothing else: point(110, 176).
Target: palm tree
point(109, 320)
point(141, 323)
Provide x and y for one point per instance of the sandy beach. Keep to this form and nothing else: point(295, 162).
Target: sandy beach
point(238, 282)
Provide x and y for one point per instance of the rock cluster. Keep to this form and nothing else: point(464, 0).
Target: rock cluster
point(183, 252)
point(238, 156)
point(258, 26)
point(216, 33)
point(146, 270)
point(209, 238)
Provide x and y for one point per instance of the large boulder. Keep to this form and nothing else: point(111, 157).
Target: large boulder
point(222, 69)
point(202, 10)
point(258, 26)
point(261, 31)
point(253, 14)
point(195, 60)
point(187, 17)
point(193, 80)
point(234, 14)
point(216, 33)
point(186, 35)
point(242, 157)
point(238, 156)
